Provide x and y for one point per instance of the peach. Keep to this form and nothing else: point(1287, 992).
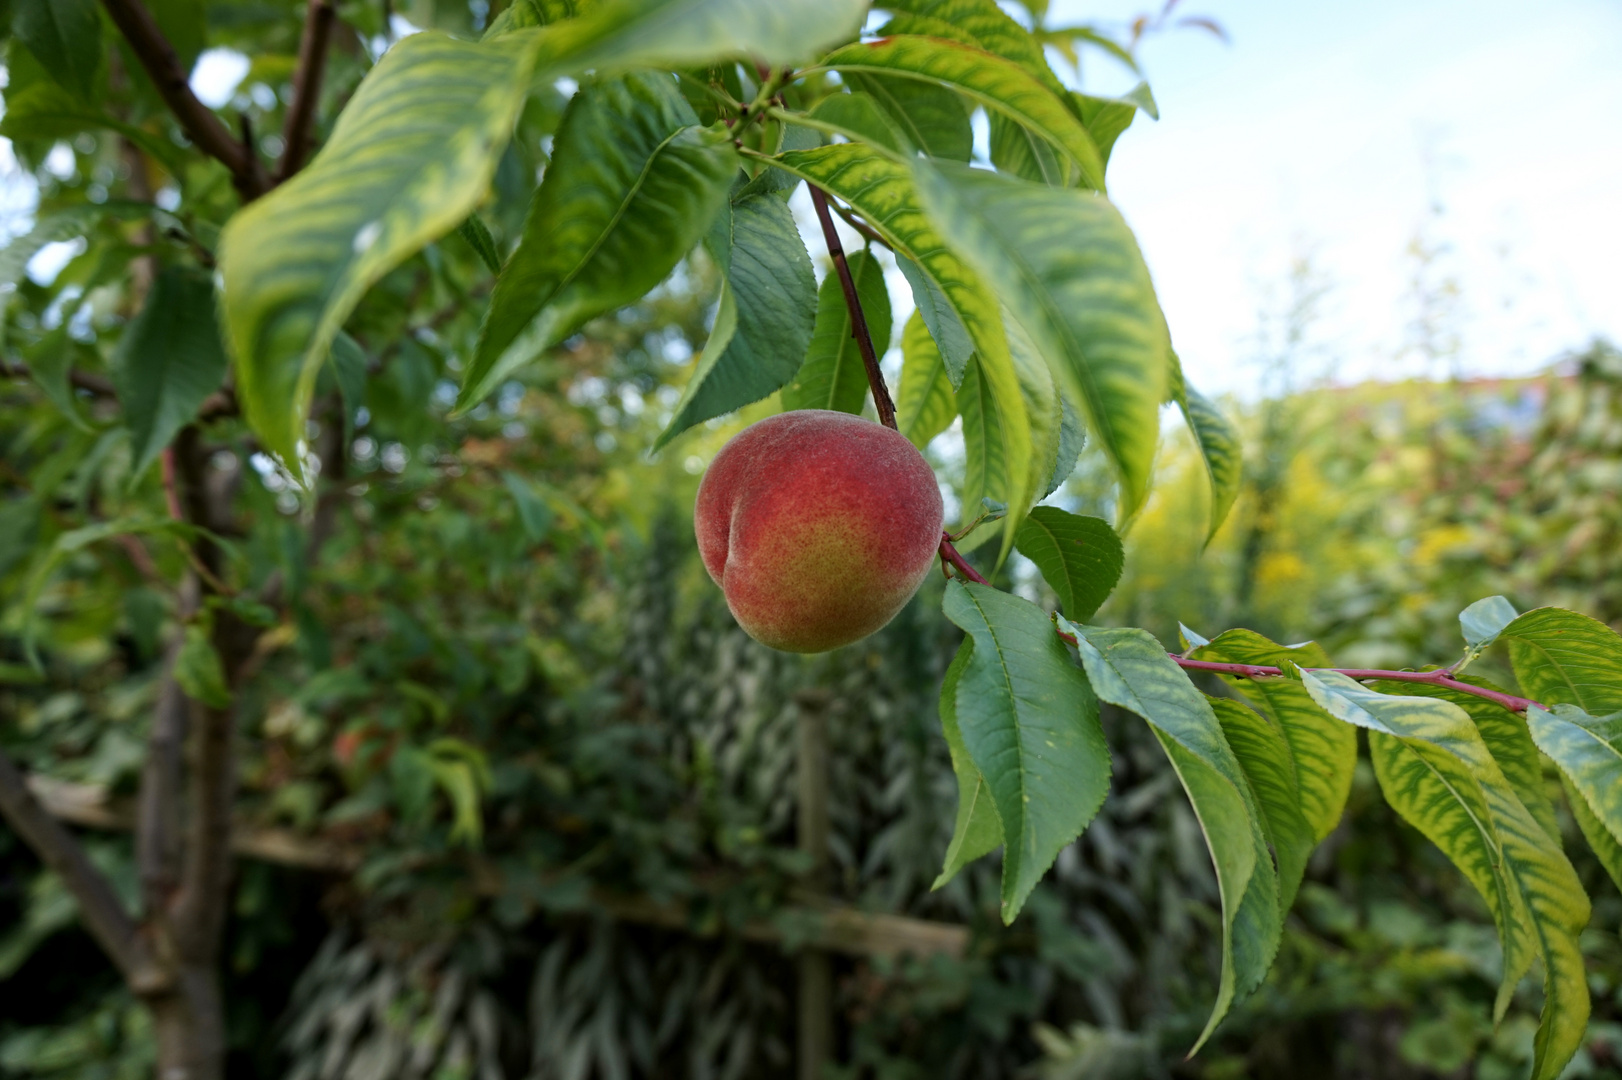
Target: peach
point(819, 526)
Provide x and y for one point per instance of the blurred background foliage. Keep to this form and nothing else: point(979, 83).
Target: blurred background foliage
point(507, 681)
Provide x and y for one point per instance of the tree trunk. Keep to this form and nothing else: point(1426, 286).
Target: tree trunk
point(188, 1026)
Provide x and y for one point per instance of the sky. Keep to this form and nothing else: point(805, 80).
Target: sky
point(1340, 132)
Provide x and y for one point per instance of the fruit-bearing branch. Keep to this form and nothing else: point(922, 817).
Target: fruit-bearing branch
point(954, 559)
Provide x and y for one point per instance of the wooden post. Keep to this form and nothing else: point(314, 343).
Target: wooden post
point(815, 965)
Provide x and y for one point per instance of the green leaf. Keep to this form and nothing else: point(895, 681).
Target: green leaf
point(1016, 150)
point(1588, 750)
point(1438, 774)
point(44, 110)
point(1264, 755)
point(1030, 724)
point(951, 339)
point(1325, 750)
point(408, 159)
point(1080, 557)
point(1000, 85)
point(686, 33)
point(349, 371)
point(1068, 268)
point(1481, 623)
point(1561, 657)
point(860, 114)
point(478, 237)
point(1107, 118)
point(978, 829)
point(833, 376)
point(929, 118)
point(1219, 445)
point(1129, 668)
point(185, 24)
point(533, 512)
point(65, 37)
point(169, 360)
point(198, 669)
point(925, 405)
point(76, 540)
point(632, 187)
point(51, 363)
point(992, 448)
point(75, 221)
point(1072, 438)
point(764, 323)
point(980, 23)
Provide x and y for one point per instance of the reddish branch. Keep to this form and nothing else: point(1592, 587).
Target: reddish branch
point(864, 342)
point(858, 321)
point(202, 127)
point(312, 62)
point(1442, 677)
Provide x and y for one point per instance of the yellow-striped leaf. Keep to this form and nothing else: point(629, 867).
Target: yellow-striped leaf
point(1219, 445)
point(1507, 739)
point(1588, 750)
point(1067, 266)
point(1324, 748)
point(1129, 668)
point(1000, 85)
point(1561, 657)
point(1264, 755)
point(407, 161)
point(924, 405)
point(1436, 771)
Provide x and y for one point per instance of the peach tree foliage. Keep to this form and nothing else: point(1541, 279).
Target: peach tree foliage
point(690, 124)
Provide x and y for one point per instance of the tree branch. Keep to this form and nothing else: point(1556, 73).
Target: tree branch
point(197, 911)
point(202, 127)
point(858, 321)
point(952, 557)
point(99, 906)
point(157, 827)
point(312, 63)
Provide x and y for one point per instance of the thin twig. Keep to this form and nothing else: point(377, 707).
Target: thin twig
point(861, 226)
point(312, 63)
point(858, 321)
point(83, 380)
point(202, 127)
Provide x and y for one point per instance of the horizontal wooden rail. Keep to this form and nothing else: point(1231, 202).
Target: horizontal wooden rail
point(834, 927)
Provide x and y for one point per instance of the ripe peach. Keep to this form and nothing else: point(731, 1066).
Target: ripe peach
point(819, 526)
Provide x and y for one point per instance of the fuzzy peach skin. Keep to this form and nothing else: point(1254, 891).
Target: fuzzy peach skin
point(819, 526)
